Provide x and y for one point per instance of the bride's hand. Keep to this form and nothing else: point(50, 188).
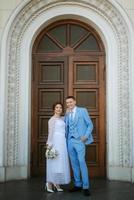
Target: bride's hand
point(48, 146)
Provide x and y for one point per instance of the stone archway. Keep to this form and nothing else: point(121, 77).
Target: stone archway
point(110, 21)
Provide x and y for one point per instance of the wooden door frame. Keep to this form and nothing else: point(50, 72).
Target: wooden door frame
point(69, 53)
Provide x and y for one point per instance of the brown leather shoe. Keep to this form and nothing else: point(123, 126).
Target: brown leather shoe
point(75, 189)
point(86, 192)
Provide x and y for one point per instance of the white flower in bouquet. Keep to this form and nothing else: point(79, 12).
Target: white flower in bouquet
point(51, 153)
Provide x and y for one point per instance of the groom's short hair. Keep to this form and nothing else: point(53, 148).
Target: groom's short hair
point(70, 97)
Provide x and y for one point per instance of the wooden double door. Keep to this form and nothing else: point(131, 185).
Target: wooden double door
point(68, 71)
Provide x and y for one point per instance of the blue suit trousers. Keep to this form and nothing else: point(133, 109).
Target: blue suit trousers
point(76, 150)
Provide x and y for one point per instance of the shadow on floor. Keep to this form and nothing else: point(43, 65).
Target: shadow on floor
point(33, 189)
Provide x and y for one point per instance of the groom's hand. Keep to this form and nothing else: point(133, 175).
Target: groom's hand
point(83, 138)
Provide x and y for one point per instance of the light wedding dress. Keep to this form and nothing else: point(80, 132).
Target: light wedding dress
point(58, 169)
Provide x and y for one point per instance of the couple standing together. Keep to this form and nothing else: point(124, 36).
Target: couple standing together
point(69, 135)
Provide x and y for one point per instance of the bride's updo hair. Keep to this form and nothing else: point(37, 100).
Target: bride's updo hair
point(57, 103)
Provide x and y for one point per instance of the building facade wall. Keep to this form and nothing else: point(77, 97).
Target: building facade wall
point(7, 8)
point(116, 24)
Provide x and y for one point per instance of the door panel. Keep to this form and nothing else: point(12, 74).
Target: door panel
point(88, 88)
point(49, 86)
point(85, 73)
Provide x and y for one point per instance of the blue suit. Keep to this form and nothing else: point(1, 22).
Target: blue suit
point(81, 125)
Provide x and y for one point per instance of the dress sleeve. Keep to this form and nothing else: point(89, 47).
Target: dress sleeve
point(51, 124)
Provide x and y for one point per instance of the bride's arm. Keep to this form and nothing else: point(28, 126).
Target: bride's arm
point(51, 124)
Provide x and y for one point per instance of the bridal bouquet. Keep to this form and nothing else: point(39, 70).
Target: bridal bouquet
point(51, 153)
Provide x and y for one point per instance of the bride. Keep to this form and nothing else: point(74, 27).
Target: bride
point(57, 170)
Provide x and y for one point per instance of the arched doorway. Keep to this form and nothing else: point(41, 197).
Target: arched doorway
point(68, 59)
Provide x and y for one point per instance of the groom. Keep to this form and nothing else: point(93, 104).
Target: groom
point(78, 133)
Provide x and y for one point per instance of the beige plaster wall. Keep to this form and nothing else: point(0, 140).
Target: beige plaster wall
point(128, 6)
point(7, 7)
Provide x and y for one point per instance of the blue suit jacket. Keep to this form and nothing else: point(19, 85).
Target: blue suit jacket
point(83, 125)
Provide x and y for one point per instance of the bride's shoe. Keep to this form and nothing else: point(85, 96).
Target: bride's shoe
point(58, 188)
point(48, 189)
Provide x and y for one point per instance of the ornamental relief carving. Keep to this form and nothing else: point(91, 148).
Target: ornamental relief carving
point(20, 24)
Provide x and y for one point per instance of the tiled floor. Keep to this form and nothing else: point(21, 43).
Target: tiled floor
point(33, 189)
